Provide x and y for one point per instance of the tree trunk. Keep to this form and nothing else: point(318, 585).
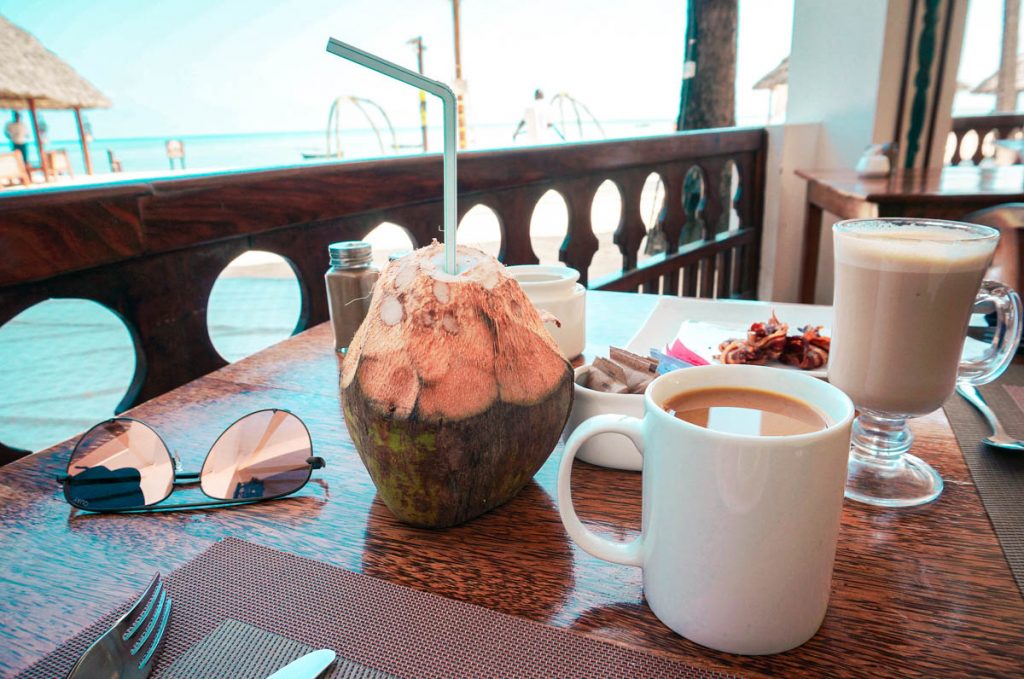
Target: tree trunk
point(708, 99)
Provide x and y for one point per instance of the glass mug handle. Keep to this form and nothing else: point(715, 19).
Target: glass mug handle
point(998, 356)
point(625, 553)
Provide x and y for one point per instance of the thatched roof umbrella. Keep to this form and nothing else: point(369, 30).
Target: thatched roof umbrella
point(33, 77)
point(990, 85)
point(775, 77)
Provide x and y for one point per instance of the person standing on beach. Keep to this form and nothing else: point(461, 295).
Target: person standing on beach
point(535, 120)
point(44, 130)
point(17, 133)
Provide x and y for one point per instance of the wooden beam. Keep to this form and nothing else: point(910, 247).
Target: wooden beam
point(39, 141)
point(1006, 94)
point(85, 142)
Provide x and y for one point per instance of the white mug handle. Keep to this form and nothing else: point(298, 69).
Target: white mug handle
point(625, 553)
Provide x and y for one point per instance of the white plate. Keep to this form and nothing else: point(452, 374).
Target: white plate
point(703, 324)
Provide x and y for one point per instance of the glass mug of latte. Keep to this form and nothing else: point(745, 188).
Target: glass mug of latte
point(743, 473)
point(904, 293)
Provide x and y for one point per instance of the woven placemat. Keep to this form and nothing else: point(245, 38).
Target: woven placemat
point(236, 649)
point(997, 474)
point(376, 624)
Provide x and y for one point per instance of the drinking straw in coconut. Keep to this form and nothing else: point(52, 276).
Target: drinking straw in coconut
point(438, 89)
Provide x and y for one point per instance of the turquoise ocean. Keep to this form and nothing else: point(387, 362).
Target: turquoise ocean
point(274, 149)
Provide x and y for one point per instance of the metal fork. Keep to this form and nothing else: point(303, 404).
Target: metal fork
point(126, 650)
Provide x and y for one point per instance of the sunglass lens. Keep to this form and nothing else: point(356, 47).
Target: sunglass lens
point(263, 455)
point(119, 464)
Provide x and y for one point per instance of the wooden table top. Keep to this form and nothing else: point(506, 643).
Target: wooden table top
point(925, 591)
point(926, 186)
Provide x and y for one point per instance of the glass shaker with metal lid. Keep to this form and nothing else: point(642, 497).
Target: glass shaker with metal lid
point(350, 282)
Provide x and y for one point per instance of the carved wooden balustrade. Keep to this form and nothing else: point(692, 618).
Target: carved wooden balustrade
point(1001, 125)
point(152, 251)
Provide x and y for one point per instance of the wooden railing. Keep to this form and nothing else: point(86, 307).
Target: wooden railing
point(151, 252)
point(1002, 125)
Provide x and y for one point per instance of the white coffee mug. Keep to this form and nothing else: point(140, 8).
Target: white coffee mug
point(738, 532)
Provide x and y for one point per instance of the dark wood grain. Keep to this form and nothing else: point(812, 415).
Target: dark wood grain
point(151, 252)
point(944, 193)
point(922, 592)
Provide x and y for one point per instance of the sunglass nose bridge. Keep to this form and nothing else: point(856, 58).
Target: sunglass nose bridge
point(316, 462)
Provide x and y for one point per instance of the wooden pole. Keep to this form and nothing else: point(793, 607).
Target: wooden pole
point(460, 104)
point(85, 142)
point(39, 141)
point(1006, 94)
point(417, 44)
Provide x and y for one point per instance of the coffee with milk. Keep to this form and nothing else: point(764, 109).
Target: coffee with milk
point(903, 300)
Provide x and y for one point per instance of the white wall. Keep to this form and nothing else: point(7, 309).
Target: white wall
point(845, 68)
point(790, 147)
point(834, 74)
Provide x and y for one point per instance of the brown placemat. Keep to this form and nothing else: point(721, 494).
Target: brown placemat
point(235, 649)
point(371, 622)
point(998, 474)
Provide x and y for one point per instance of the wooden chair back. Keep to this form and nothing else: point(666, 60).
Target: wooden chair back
point(58, 163)
point(115, 164)
point(1008, 262)
point(13, 170)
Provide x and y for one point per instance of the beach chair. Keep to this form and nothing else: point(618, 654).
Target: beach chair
point(13, 170)
point(58, 163)
point(115, 164)
point(176, 151)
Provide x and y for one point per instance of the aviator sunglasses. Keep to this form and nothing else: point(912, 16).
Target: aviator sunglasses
point(122, 465)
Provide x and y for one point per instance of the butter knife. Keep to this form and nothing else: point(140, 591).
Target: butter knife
point(308, 666)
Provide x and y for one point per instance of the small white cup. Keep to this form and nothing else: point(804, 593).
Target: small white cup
point(739, 532)
point(555, 289)
point(609, 450)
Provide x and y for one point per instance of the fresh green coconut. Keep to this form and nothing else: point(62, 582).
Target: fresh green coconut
point(453, 391)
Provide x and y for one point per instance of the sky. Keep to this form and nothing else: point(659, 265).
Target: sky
point(243, 66)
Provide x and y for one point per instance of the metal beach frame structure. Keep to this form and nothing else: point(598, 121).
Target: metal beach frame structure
point(32, 77)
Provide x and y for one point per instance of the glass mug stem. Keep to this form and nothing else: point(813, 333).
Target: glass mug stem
point(882, 438)
point(880, 471)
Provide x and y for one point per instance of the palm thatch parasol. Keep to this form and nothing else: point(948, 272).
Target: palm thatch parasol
point(775, 77)
point(990, 85)
point(33, 77)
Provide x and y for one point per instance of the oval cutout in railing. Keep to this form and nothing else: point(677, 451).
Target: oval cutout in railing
point(549, 225)
point(693, 205)
point(387, 239)
point(480, 229)
point(605, 215)
point(730, 192)
point(968, 145)
point(65, 365)
point(947, 153)
point(988, 144)
point(255, 302)
point(652, 202)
